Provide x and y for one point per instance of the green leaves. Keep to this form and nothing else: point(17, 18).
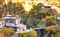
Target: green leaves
point(37, 21)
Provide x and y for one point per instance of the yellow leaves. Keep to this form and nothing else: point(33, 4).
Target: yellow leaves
point(7, 32)
point(25, 35)
point(27, 6)
point(10, 29)
point(48, 28)
point(58, 10)
point(50, 17)
point(51, 28)
point(46, 10)
point(33, 33)
point(53, 18)
point(47, 17)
